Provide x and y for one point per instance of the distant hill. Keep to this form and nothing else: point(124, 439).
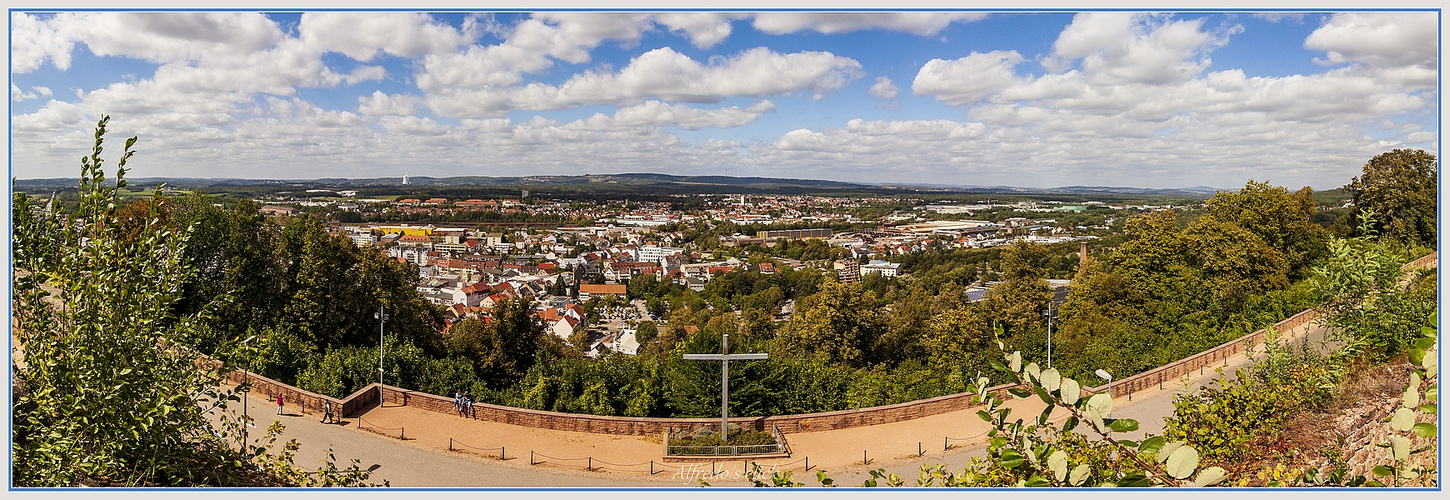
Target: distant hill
point(627, 183)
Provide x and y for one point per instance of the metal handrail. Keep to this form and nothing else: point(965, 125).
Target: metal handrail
point(748, 449)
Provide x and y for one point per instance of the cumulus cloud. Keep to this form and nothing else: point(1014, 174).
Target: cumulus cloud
point(1118, 47)
point(669, 75)
point(530, 47)
point(170, 37)
point(1390, 44)
point(969, 79)
point(884, 89)
point(706, 29)
point(1103, 115)
point(362, 36)
point(380, 103)
point(1128, 99)
point(18, 95)
point(920, 23)
point(656, 114)
point(33, 41)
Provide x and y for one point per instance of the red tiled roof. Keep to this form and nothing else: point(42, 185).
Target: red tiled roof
point(603, 289)
point(550, 315)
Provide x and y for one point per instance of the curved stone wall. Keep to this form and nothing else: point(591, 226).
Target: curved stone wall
point(368, 397)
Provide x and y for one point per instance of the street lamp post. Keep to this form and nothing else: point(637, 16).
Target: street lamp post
point(382, 319)
point(1108, 377)
point(247, 389)
point(1049, 332)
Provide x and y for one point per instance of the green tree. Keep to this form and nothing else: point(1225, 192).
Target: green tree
point(955, 337)
point(206, 250)
point(255, 271)
point(107, 341)
point(280, 355)
point(579, 339)
point(504, 349)
point(906, 325)
point(1360, 295)
point(595, 400)
point(1233, 261)
point(1283, 221)
point(1020, 299)
point(645, 332)
point(1400, 187)
point(840, 321)
point(108, 388)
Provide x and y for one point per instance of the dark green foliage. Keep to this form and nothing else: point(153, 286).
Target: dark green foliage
point(1400, 187)
point(645, 332)
point(1283, 221)
point(839, 322)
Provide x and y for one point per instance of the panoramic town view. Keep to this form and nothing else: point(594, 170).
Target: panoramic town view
point(717, 250)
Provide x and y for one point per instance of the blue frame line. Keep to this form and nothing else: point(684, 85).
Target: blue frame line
point(9, 204)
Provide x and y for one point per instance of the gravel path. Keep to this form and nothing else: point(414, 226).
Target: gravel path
point(423, 459)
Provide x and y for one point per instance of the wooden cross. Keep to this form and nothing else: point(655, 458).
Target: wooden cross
point(724, 358)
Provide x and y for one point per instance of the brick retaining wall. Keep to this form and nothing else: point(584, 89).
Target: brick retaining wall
point(367, 397)
point(305, 401)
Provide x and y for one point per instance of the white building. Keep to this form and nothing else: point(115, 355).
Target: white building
point(626, 343)
point(887, 269)
point(363, 238)
point(656, 253)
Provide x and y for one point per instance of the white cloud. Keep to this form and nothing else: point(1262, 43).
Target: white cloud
point(1130, 100)
point(18, 95)
point(34, 41)
point(380, 103)
point(1117, 47)
point(656, 114)
point(412, 126)
point(920, 23)
point(171, 37)
point(528, 49)
point(668, 75)
point(1393, 45)
point(884, 89)
point(706, 29)
point(571, 35)
point(362, 36)
point(967, 80)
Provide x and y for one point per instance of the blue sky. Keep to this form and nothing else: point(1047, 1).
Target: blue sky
point(968, 98)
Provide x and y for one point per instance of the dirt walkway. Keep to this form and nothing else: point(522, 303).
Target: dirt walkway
point(899, 447)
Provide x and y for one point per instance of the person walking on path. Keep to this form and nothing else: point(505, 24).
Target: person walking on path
point(279, 403)
point(327, 412)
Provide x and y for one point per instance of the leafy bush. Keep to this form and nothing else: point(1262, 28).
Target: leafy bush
point(108, 389)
